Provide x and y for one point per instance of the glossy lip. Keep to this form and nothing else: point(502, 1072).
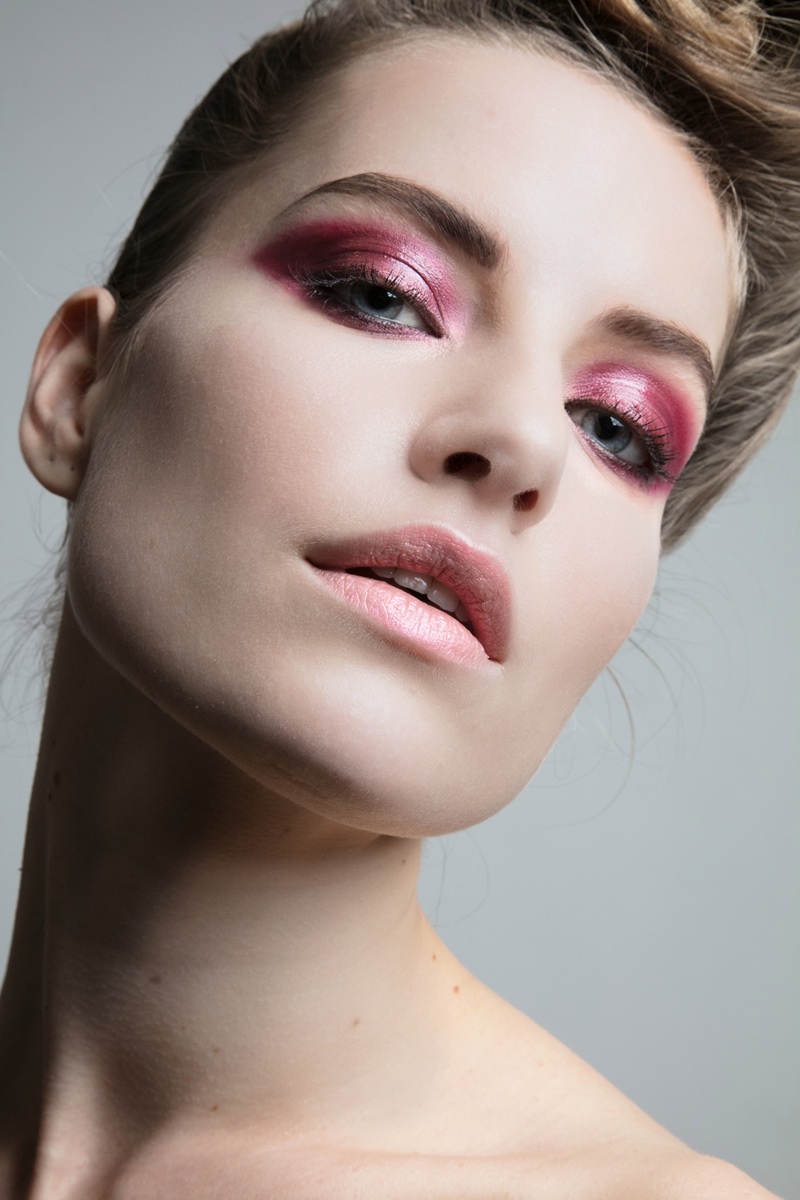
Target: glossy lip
point(476, 577)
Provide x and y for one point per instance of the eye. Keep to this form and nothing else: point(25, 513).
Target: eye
point(614, 435)
point(362, 295)
point(632, 421)
point(378, 300)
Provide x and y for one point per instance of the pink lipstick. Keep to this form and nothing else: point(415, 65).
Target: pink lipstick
point(476, 580)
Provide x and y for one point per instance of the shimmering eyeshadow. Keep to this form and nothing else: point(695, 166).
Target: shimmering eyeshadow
point(648, 402)
point(325, 249)
point(329, 244)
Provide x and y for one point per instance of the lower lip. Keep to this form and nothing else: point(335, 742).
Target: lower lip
point(427, 630)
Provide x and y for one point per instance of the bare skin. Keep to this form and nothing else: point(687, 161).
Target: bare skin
point(306, 1033)
point(221, 982)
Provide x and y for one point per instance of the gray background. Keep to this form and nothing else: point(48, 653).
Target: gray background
point(643, 904)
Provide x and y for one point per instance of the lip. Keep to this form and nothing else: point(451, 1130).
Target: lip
point(477, 578)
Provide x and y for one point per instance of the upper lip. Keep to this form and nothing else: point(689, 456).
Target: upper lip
point(477, 578)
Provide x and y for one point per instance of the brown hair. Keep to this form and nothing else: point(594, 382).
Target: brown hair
point(724, 73)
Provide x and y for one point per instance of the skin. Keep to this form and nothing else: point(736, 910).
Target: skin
point(241, 993)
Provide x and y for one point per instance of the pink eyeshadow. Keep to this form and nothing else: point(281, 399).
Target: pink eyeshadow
point(647, 399)
point(335, 243)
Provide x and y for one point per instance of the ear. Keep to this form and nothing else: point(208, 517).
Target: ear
point(55, 427)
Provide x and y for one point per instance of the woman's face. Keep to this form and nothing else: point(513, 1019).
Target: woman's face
point(482, 364)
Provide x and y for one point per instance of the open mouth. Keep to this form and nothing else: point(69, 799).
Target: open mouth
point(422, 587)
point(427, 585)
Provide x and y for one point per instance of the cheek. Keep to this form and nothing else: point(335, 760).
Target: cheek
point(207, 437)
point(611, 575)
point(601, 615)
point(217, 454)
point(245, 412)
point(591, 576)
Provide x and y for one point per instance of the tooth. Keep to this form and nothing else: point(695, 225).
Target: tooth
point(443, 597)
point(407, 579)
point(384, 572)
point(461, 614)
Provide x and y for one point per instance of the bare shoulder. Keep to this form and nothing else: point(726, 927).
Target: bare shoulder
point(571, 1130)
point(649, 1173)
point(704, 1178)
point(251, 1171)
point(640, 1172)
point(516, 1116)
point(710, 1179)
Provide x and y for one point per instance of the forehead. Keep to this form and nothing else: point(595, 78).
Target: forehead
point(579, 180)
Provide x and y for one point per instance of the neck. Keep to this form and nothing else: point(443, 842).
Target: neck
point(192, 951)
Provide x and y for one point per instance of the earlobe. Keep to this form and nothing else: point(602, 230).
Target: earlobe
point(55, 427)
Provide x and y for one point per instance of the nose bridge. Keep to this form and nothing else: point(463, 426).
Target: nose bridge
point(500, 429)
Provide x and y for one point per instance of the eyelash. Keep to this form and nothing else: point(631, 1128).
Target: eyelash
point(656, 440)
point(319, 283)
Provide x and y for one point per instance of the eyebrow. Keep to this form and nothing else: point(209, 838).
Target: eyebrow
point(484, 248)
point(443, 218)
point(665, 337)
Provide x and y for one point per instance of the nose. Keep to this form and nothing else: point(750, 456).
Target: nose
point(504, 435)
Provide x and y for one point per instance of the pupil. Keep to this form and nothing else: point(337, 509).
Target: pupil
point(612, 431)
point(379, 298)
point(607, 426)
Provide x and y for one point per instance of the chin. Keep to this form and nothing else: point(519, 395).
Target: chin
point(369, 753)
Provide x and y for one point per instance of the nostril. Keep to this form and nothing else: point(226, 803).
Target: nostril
point(524, 501)
point(467, 464)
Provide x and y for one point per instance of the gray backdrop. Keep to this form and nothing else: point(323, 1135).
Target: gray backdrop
point(642, 903)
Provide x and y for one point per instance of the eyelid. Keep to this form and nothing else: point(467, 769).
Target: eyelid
point(312, 280)
point(370, 266)
point(320, 242)
point(629, 387)
point(655, 441)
